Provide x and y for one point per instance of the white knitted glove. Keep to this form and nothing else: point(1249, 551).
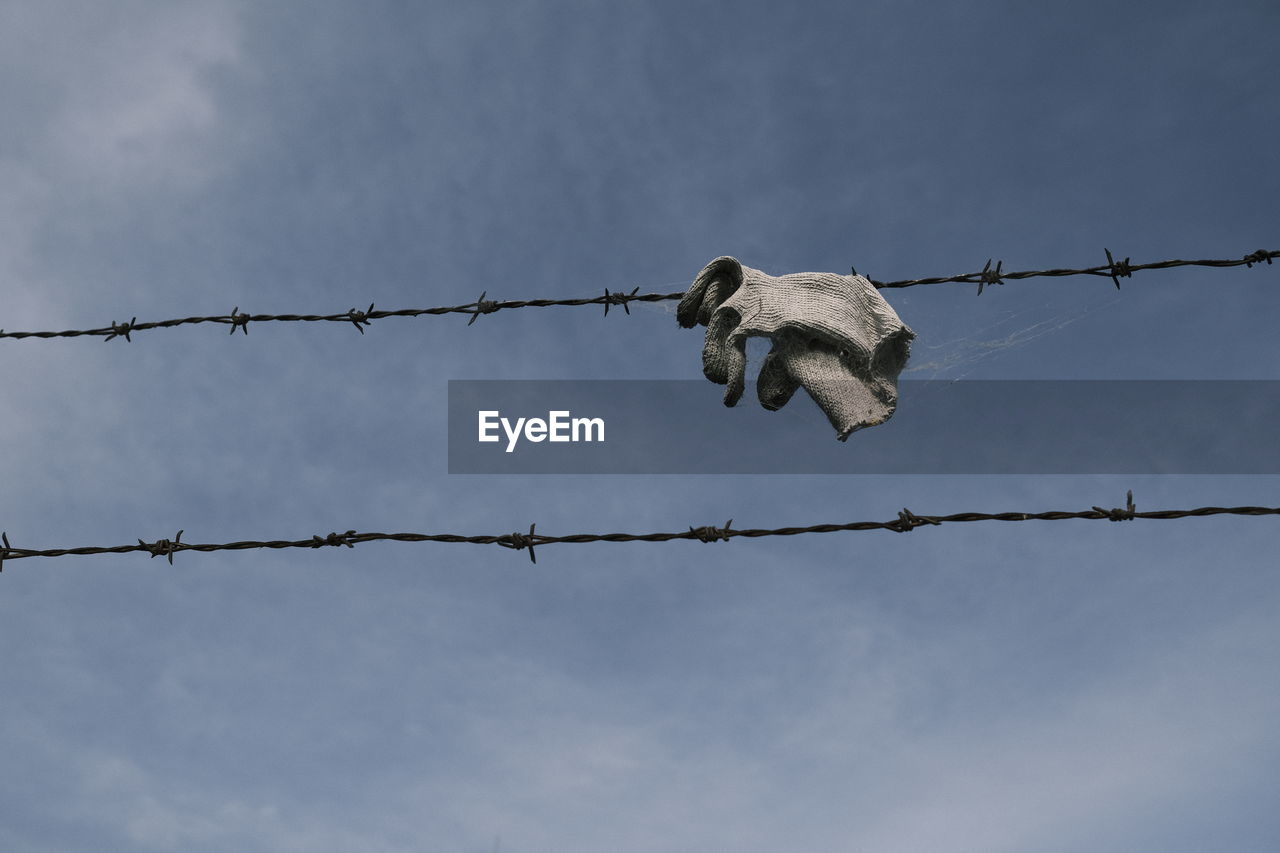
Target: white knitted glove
point(833, 334)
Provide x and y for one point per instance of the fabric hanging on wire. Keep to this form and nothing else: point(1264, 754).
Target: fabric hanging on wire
point(834, 335)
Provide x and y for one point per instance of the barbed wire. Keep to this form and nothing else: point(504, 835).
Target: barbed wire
point(905, 522)
point(1113, 269)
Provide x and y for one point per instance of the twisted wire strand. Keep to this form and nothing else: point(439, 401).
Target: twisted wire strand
point(905, 522)
point(1113, 269)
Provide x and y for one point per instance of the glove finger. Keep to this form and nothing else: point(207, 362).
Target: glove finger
point(775, 384)
point(691, 303)
point(716, 351)
point(717, 282)
point(715, 294)
point(849, 403)
point(736, 368)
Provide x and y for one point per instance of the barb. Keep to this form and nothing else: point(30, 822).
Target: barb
point(618, 299)
point(241, 320)
point(908, 521)
point(990, 276)
point(360, 318)
point(905, 522)
point(1123, 269)
point(163, 547)
point(482, 306)
point(1126, 514)
point(520, 541)
point(121, 329)
point(1113, 269)
point(334, 539)
point(711, 533)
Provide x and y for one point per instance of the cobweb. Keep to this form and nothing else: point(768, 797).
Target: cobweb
point(956, 358)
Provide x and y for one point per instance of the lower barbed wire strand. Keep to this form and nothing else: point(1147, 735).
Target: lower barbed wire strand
point(906, 521)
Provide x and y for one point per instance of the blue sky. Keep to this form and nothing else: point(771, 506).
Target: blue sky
point(989, 687)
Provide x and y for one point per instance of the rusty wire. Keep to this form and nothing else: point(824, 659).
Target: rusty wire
point(1113, 269)
point(905, 522)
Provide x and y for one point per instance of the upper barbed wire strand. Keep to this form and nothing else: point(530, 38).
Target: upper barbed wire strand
point(1113, 269)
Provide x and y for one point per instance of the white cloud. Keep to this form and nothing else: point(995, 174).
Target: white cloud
point(133, 98)
point(160, 814)
point(1148, 739)
point(102, 100)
